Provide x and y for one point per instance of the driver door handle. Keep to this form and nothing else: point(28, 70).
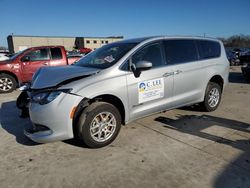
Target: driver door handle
point(46, 63)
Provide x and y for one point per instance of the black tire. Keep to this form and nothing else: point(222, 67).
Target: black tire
point(206, 104)
point(7, 83)
point(87, 118)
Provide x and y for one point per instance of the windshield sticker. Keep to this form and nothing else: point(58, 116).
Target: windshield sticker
point(109, 59)
point(150, 90)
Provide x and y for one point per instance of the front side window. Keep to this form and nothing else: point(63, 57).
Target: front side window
point(180, 51)
point(56, 53)
point(39, 55)
point(151, 53)
point(105, 56)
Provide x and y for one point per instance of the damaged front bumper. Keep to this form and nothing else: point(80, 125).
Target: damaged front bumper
point(38, 131)
point(51, 121)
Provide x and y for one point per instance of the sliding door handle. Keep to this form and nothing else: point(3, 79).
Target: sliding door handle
point(177, 72)
point(167, 74)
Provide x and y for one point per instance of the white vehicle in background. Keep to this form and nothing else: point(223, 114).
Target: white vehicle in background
point(3, 57)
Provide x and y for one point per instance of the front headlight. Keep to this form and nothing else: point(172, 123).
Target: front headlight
point(47, 96)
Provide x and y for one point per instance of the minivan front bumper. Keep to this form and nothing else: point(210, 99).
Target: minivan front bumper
point(54, 118)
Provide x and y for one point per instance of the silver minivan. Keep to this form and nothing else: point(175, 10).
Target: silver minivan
point(121, 82)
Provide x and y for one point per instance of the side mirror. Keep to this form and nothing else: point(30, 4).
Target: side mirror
point(25, 59)
point(140, 66)
point(143, 65)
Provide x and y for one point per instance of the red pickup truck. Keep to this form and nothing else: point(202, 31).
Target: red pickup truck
point(21, 67)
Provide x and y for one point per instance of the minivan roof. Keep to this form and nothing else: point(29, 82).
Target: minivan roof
point(139, 40)
point(135, 40)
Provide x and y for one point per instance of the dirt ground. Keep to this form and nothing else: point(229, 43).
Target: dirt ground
point(179, 148)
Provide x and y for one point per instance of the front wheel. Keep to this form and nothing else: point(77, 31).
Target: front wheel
point(212, 97)
point(7, 83)
point(99, 124)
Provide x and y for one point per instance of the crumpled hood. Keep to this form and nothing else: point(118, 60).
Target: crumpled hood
point(47, 77)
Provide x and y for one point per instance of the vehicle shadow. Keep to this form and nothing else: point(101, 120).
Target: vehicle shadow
point(13, 124)
point(237, 173)
point(76, 143)
point(194, 108)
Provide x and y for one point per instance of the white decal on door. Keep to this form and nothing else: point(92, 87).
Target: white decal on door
point(150, 90)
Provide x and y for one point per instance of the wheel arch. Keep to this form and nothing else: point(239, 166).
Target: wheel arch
point(115, 101)
point(111, 99)
point(219, 80)
point(11, 74)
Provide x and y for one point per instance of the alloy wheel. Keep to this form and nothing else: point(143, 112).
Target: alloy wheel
point(214, 97)
point(6, 84)
point(103, 126)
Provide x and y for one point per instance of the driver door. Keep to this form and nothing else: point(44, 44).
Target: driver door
point(150, 91)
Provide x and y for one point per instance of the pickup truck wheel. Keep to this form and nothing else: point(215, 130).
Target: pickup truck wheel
point(99, 124)
point(212, 97)
point(7, 83)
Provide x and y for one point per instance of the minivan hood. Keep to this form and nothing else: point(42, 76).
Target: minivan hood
point(47, 77)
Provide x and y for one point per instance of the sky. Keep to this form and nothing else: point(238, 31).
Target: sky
point(128, 18)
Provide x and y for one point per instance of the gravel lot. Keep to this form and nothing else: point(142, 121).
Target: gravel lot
point(179, 148)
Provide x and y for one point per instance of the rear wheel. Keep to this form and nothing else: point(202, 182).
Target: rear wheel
point(212, 97)
point(7, 83)
point(99, 124)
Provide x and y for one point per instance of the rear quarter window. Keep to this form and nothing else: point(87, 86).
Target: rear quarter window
point(208, 49)
point(56, 53)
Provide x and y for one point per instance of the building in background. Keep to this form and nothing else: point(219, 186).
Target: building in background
point(17, 43)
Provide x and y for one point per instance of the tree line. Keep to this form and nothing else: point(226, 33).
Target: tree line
point(236, 41)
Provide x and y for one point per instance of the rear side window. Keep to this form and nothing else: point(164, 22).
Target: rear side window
point(180, 51)
point(208, 49)
point(56, 53)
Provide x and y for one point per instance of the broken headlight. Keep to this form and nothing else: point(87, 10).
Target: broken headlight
point(47, 96)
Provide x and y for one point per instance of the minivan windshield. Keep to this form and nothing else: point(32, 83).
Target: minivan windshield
point(106, 56)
